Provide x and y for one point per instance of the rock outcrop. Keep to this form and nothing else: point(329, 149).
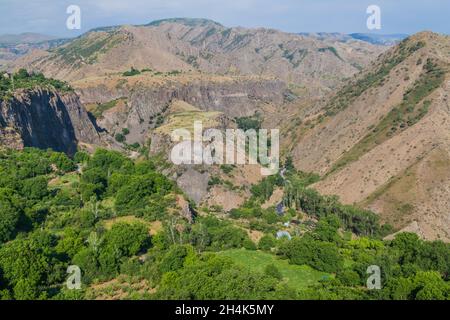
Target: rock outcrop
point(148, 97)
point(43, 119)
point(194, 184)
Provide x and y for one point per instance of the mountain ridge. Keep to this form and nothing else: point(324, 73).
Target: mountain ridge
point(205, 46)
point(389, 115)
point(387, 120)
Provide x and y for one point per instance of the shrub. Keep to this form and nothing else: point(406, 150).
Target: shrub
point(131, 72)
point(120, 137)
point(267, 242)
point(272, 271)
point(35, 188)
point(249, 244)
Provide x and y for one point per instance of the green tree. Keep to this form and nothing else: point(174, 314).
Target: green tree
point(35, 188)
point(10, 213)
point(249, 244)
point(87, 260)
point(120, 137)
point(218, 278)
point(62, 162)
point(70, 243)
point(349, 278)
point(174, 259)
point(267, 242)
point(323, 256)
point(128, 239)
point(327, 230)
point(81, 157)
point(93, 183)
point(25, 265)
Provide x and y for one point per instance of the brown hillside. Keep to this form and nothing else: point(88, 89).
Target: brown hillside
point(203, 45)
point(384, 141)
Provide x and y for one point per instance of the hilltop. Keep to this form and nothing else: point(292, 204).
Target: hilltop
point(200, 45)
point(14, 46)
point(27, 37)
point(382, 140)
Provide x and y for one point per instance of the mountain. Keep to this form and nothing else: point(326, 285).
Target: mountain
point(382, 141)
point(28, 37)
point(199, 45)
point(375, 39)
point(380, 39)
point(13, 46)
point(374, 127)
point(42, 113)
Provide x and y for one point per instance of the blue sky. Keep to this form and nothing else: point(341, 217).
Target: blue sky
point(347, 16)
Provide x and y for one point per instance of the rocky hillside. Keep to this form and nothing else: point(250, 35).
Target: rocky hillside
point(206, 46)
point(14, 46)
point(371, 119)
point(383, 140)
point(44, 118)
point(140, 103)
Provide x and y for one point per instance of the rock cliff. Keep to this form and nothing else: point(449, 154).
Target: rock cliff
point(43, 118)
point(149, 97)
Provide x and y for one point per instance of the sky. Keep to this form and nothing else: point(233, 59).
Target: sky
point(346, 16)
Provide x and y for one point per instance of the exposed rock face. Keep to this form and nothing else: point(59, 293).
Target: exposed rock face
point(186, 210)
point(194, 184)
point(10, 138)
point(45, 119)
point(146, 98)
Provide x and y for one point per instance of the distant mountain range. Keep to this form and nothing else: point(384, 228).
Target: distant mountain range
point(28, 37)
point(13, 46)
point(376, 39)
point(206, 46)
point(382, 39)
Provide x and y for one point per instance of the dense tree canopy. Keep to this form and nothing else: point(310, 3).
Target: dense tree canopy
point(119, 222)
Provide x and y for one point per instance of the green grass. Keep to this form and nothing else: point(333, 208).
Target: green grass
point(297, 277)
point(64, 182)
point(97, 109)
